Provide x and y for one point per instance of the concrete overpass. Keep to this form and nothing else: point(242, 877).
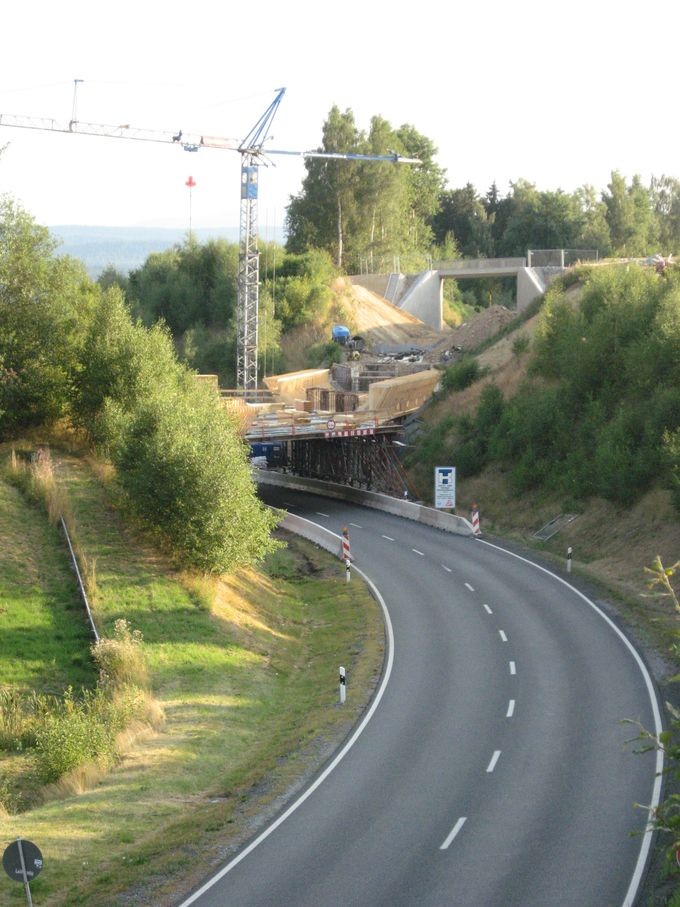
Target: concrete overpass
point(422, 294)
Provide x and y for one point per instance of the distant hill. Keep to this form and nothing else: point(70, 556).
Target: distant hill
point(126, 248)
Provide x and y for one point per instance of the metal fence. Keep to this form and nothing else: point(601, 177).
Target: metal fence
point(559, 258)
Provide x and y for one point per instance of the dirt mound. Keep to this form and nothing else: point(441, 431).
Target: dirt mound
point(483, 326)
point(380, 322)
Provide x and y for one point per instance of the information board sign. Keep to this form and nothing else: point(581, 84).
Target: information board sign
point(445, 487)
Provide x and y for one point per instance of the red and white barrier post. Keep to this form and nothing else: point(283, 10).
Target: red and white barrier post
point(474, 519)
point(345, 553)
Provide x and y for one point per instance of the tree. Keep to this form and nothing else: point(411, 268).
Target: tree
point(45, 305)
point(462, 213)
point(358, 210)
point(632, 223)
point(328, 198)
point(121, 363)
point(185, 472)
point(665, 194)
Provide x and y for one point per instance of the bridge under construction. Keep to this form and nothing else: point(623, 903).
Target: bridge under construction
point(338, 424)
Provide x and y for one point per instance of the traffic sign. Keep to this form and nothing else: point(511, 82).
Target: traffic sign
point(26, 869)
point(445, 487)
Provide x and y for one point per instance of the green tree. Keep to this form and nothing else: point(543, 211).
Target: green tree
point(186, 473)
point(45, 305)
point(361, 210)
point(122, 362)
point(462, 214)
point(665, 193)
point(632, 222)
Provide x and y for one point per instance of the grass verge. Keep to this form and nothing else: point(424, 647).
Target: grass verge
point(245, 670)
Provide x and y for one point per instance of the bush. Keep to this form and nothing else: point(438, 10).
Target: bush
point(186, 474)
point(84, 730)
point(462, 374)
point(120, 659)
point(520, 344)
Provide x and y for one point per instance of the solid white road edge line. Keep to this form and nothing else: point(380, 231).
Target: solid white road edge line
point(631, 894)
point(454, 831)
point(494, 759)
point(329, 768)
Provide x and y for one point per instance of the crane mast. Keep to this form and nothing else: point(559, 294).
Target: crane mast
point(252, 155)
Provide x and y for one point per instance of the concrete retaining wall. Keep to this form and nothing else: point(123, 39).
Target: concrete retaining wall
point(448, 522)
point(424, 299)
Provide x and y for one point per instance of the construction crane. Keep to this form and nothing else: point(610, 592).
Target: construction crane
point(253, 154)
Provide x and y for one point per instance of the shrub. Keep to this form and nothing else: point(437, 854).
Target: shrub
point(120, 659)
point(76, 732)
point(84, 730)
point(520, 344)
point(462, 374)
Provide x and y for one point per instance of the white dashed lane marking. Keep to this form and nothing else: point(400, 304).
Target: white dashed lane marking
point(494, 759)
point(454, 831)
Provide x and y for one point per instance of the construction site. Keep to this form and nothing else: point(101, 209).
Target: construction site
point(345, 423)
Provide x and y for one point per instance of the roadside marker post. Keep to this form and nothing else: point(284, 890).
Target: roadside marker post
point(569, 559)
point(345, 552)
point(344, 549)
point(343, 686)
point(474, 519)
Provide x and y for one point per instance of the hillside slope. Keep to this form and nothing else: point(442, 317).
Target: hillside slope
point(611, 545)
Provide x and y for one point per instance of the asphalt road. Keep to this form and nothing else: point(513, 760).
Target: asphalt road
point(495, 769)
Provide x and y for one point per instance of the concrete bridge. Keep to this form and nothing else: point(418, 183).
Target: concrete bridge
point(422, 294)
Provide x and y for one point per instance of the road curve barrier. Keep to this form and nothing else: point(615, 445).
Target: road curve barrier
point(448, 522)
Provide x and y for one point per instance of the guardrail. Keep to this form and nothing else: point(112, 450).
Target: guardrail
point(81, 585)
point(448, 522)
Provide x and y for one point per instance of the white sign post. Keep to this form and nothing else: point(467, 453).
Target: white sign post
point(445, 487)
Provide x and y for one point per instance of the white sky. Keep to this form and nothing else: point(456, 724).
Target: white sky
point(560, 94)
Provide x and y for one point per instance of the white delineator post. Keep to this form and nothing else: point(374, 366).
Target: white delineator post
point(348, 569)
point(342, 685)
point(569, 559)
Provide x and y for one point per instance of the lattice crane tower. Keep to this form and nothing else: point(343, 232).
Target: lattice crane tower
point(252, 154)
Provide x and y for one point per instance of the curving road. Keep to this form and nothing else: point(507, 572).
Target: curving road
point(495, 769)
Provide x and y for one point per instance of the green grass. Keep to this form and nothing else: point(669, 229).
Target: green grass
point(249, 692)
point(44, 638)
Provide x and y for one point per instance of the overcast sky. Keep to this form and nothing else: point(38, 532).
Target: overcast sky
point(559, 94)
